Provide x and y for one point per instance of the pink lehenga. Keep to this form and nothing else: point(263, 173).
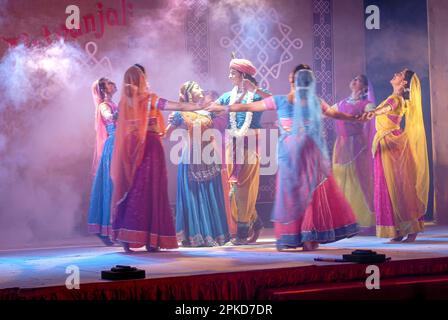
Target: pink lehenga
point(309, 206)
point(141, 210)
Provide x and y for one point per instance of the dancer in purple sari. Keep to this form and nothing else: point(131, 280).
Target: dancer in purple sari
point(352, 160)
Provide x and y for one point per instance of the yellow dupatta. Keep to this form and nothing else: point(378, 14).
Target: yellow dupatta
point(405, 161)
point(415, 130)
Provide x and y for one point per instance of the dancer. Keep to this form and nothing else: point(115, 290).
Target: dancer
point(401, 161)
point(352, 160)
point(243, 178)
point(200, 208)
point(309, 207)
point(220, 122)
point(99, 221)
point(140, 207)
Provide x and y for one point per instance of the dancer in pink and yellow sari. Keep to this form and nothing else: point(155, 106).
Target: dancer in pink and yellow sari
point(401, 161)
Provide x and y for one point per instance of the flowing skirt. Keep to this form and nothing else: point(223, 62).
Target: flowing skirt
point(200, 211)
point(99, 218)
point(387, 222)
point(145, 216)
point(328, 218)
point(353, 173)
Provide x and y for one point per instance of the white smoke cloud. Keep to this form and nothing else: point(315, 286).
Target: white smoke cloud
point(46, 124)
point(223, 9)
point(31, 74)
point(46, 133)
point(46, 116)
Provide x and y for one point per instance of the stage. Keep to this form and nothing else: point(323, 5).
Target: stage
point(245, 272)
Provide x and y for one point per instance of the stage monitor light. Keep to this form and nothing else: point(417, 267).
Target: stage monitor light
point(120, 272)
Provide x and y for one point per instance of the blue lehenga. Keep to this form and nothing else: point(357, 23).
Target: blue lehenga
point(99, 218)
point(200, 208)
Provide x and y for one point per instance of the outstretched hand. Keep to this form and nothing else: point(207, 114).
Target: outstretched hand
point(171, 117)
point(214, 107)
point(366, 116)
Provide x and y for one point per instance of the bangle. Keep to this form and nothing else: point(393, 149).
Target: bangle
point(161, 103)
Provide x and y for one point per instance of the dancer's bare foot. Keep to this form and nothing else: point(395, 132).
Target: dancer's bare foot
point(411, 237)
point(106, 240)
point(310, 245)
point(239, 241)
point(280, 248)
point(284, 247)
point(151, 249)
point(396, 239)
point(126, 247)
point(255, 236)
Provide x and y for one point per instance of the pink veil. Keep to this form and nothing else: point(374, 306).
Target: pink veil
point(100, 128)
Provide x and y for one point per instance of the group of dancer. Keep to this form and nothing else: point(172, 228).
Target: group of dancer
point(378, 174)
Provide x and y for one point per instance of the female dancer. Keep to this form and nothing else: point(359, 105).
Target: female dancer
point(401, 161)
point(141, 211)
point(309, 207)
point(352, 160)
point(99, 221)
point(200, 207)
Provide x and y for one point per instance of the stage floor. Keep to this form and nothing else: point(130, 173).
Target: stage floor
point(32, 268)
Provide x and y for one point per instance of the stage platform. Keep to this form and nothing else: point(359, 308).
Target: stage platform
point(230, 272)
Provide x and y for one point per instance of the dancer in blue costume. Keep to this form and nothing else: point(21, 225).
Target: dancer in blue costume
point(100, 198)
point(200, 208)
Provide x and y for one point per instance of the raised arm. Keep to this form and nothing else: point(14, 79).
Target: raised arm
point(167, 105)
point(383, 108)
point(332, 113)
point(182, 106)
point(335, 114)
point(250, 86)
point(263, 94)
point(387, 107)
point(251, 107)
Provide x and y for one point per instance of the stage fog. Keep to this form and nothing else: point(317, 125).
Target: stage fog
point(46, 72)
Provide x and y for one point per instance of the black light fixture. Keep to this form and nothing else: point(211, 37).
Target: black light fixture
point(359, 256)
point(120, 272)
